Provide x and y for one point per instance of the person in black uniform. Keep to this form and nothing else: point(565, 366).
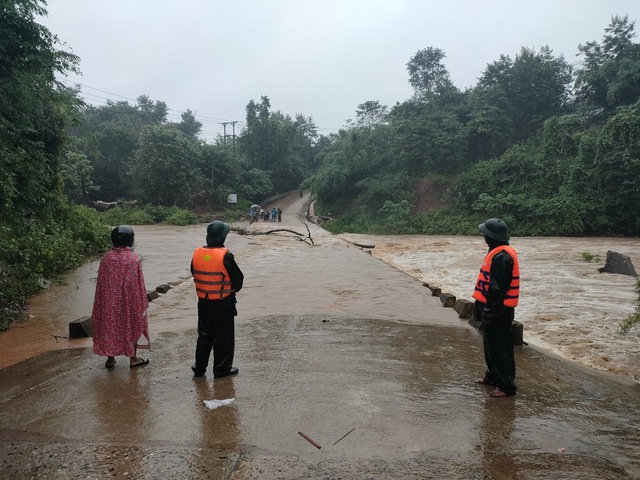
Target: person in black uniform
point(497, 292)
point(217, 279)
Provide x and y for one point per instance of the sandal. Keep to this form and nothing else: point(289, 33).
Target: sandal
point(139, 364)
point(497, 393)
point(482, 381)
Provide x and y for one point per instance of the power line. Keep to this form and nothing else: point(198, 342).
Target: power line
point(203, 118)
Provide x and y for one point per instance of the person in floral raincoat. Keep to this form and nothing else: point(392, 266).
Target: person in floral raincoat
point(120, 304)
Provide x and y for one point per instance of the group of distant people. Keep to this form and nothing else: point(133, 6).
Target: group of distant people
point(256, 212)
point(120, 305)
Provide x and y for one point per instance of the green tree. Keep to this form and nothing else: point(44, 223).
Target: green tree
point(76, 170)
point(165, 168)
point(529, 89)
point(307, 143)
point(110, 150)
point(33, 110)
point(383, 188)
point(254, 139)
point(533, 192)
point(40, 234)
point(617, 170)
point(255, 185)
point(609, 72)
point(427, 139)
point(189, 125)
point(370, 114)
point(219, 166)
point(331, 184)
point(108, 136)
point(488, 127)
point(151, 112)
point(222, 173)
point(273, 142)
point(356, 164)
point(428, 76)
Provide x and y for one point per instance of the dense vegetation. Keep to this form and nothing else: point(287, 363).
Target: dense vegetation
point(552, 148)
point(121, 151)
point(41, 233)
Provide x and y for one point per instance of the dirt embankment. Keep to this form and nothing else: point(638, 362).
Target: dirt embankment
point(428, 195)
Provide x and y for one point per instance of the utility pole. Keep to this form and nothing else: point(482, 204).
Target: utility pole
point(233, 136)
point(224, 135)
point(233, 126)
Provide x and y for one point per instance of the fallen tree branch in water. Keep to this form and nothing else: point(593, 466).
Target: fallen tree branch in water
point(300, 236)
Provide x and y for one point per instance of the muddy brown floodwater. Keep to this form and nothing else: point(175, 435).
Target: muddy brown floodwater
point(332, 341)
point(567, 306)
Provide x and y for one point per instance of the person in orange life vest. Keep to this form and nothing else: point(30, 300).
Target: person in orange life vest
point(496, 293)
point(217, 278)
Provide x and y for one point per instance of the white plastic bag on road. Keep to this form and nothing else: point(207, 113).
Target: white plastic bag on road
point(213, 404)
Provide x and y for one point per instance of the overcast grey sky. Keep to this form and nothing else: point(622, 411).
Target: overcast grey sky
point(321, 58)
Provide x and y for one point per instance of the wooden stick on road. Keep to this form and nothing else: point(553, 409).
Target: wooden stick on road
point(309, 440)
point(344, 435)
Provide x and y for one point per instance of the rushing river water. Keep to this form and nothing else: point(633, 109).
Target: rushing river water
point(567, 307)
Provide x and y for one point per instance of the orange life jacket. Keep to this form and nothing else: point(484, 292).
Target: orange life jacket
point(209, 273)
point(484, 278)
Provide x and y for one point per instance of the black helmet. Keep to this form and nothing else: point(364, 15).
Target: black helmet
point(122, 236)
point(496, 229)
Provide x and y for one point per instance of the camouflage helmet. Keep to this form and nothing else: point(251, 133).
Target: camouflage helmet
point(496, 229)
point(217, 232)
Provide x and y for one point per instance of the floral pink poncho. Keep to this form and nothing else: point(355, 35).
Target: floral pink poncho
point(120, 304)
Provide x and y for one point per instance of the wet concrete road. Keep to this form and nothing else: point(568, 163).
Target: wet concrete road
point(369, 355)
point(406, 391)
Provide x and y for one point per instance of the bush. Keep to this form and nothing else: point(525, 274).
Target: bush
point(354, 221)
point(149, 215)
point(36, 252)
point(231, 214)
point(394, 219)
point(126, 216)
point(183, 217)
point(444, 222)
point(589, 257)
point(634, 318)
point(91, 236)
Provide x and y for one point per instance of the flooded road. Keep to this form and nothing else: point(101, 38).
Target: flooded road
point(567, 307)
point(330, 341)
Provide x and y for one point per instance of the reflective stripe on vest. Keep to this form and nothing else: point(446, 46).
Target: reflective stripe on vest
point(210, 276)
point(484, 278)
